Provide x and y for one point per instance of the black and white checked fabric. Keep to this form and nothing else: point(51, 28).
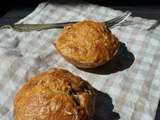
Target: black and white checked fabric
point(134, 90)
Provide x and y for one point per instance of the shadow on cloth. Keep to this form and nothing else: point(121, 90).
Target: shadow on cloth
point(104, 107)
point(154, 26)
point(123, 60)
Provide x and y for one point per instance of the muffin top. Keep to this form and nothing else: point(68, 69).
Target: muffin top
point(87, 44)
point(55, 95)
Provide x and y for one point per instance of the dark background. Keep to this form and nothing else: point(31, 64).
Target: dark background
point(13, 10)
point(144, 8)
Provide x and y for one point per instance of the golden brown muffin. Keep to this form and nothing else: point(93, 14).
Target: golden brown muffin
point(87, 44)
point(55, 95)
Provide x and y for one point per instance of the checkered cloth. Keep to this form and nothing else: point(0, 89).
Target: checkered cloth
point(132, 83)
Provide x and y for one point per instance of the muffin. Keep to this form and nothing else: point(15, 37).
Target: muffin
point(87, 44)
point(55, 95)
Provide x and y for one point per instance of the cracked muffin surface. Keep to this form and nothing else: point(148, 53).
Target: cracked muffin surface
point(55, 95)
point(87, 44)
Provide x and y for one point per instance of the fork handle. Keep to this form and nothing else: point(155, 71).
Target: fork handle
point(38, 27)
point(30, 27)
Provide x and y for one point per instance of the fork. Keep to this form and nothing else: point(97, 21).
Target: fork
point(30, 27)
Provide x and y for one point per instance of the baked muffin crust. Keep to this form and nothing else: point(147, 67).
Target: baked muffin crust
point(87, 44)
point(55, 95)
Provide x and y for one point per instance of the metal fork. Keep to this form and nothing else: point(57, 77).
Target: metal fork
point(30, 27)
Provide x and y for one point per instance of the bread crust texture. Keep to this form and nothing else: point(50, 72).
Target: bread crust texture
point(55, 95)
point(87, 44)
